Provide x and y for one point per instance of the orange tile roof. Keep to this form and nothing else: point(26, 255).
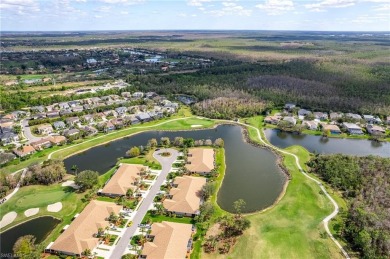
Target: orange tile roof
point(123, 179)
point(170, 241)
point(79, 236)
point(186, 196)
point(201, 160)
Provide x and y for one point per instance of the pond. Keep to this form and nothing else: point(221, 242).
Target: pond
point(317, 144)
point(39, 227)
point(251, 172)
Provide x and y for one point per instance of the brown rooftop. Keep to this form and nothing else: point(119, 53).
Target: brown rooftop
point(25, 150)
point(186, 196)
point(201, 160)
point(79, 236)
point(331, 127)
point(170, 241)
point(123, 179)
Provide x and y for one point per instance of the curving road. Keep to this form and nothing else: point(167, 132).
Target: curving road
point(166, 164)
point(26, 132)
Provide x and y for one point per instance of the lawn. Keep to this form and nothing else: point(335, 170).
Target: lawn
point(293, 227)
point(161, 218)
point(39, 196)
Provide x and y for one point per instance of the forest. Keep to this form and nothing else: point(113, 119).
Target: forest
point(365, 183)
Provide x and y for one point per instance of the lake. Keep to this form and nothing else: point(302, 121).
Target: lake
point(317, 144)
point(38, 227)
point(251, 172)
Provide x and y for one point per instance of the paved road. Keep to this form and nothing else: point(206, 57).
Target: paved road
point(166, 163)
point(27, 132)
point(9, 196)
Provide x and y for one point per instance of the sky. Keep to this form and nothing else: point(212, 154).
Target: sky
point(76, 15)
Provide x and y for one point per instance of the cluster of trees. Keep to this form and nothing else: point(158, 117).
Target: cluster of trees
point(49, 172)
point(365, 182)
point(231, 226)
point(7, 183)
point(25, 248)
point(86, 179)
point(229, 107)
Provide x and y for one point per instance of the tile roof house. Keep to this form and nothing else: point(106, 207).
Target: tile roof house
point(53, 114)
point(57, 140)
point(41, 144)
point(320, 115)
point(272, 119)
point(126, 177)
point(289, 106)
point(353, 116)
point(143, 116)
point(375, 130)
point(24, 151)
point(71, 121)
point(200, 160)
point(45, 129)
point(302, 113)
point(8, 137)
point(353, 128)
point(58, 125)
point(311, 125)
point(80, 235)
point(185, 196)
point(170, 240)
point(290, 119)
point(71, 132)
point(333, 129)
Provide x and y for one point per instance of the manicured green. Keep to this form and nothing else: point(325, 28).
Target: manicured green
point(161, 218)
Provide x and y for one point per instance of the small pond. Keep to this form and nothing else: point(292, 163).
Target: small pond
point(359, 147)
point(251, 172)
point(38, 227)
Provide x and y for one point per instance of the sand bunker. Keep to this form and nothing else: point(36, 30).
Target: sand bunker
point(8, 219)
point(70, 183)
point(196, 126)
point(31, 212)
point(55, 207)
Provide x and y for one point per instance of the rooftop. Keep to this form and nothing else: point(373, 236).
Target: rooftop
point(201, 160)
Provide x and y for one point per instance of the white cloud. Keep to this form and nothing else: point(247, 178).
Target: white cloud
point(383, 7)
point(197, 2)
point(322, 5)
point(127, 2)
point(104, 9)
point(124, 12)
point(230, 9)
point(275, 7)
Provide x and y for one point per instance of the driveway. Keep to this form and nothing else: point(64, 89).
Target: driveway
point(27, 132)
point(166, 164)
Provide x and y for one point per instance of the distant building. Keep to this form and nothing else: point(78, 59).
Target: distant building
point(375, 130)
point(302, 113)
point(333, 129)
point(352, 128)
point(320, 116)
point(290, 119)
point(311, 125)
point(289, 106)
point(59, 125)
point(42, 144)
point(24, 151)
point(44, 129)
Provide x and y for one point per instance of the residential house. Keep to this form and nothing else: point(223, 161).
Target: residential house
point(9, 117)
point(57, 140)
point(109, 126)
point(151, 95)
point(168, 240)
point(333, 129)
point(6, 126)
point(88, 118)
point(71, 133)
point(323, 116)
point(38, 116)
point(45, 129)
point(59, 125)
point(143, 116)
point(72, 121)
point(8, 137)
point(353, 116)
point(126, 177)
point(273, 119)
point(290, 119)
point(185, 196)
point(38, 109)
point(80, 235)
point(311, 125)
point(369, 119)
point(334, 116)
point(138, 95)
point(53, 114)
point(121, 110)
point(134, 120)
point(77, 108)
point(74, 103)
point(302, 113)
point(118, 123)
point(89, 130)
point(23, 151)
point(41, 144)
point(352, 128)
point(64, 106)
point(65, 112)
point(200, 160)
point(126, 94)
point(289, 106)
point(375, 130)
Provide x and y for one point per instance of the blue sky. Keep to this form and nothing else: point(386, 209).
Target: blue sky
point(60, 15)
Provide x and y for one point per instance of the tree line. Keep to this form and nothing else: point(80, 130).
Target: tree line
point(365, 183)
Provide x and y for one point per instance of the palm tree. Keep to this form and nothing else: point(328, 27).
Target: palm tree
point(129, 193)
